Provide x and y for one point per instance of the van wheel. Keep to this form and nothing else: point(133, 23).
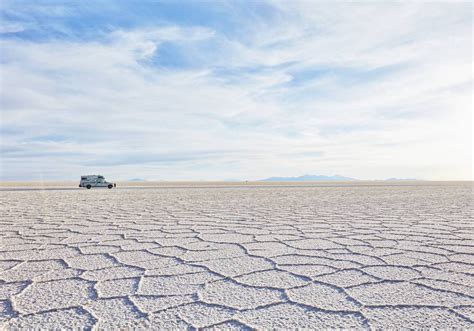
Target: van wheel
point(88, 187)
point(110, 186)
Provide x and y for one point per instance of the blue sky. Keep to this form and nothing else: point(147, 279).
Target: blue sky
point(210, 90)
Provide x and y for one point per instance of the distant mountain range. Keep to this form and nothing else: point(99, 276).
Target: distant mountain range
point(396, 179)
point(304, 178)
point(307, 178)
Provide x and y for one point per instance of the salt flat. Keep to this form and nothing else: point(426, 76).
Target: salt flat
point(237, 257)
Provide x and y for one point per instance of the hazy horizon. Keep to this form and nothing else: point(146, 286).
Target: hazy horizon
point(217, 90)
point(235, 181)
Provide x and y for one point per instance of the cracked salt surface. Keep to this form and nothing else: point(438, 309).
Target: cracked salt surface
point(380, 257)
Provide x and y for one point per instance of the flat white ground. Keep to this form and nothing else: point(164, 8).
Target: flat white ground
point(357, 256)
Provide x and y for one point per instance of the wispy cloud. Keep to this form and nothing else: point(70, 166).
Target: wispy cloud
point(11, 27)
point(286, 88)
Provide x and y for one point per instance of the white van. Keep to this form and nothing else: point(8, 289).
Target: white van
point(89, 181)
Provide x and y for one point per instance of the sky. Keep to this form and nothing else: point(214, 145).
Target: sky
point(219, 90)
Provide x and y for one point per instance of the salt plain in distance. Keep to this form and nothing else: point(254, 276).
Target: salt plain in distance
point(237, 255)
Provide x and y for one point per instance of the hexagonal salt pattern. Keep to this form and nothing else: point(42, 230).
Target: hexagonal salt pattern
point(238, 258)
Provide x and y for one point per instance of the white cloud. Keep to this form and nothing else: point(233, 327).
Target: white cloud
point(11, 27)
point(391, 97)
